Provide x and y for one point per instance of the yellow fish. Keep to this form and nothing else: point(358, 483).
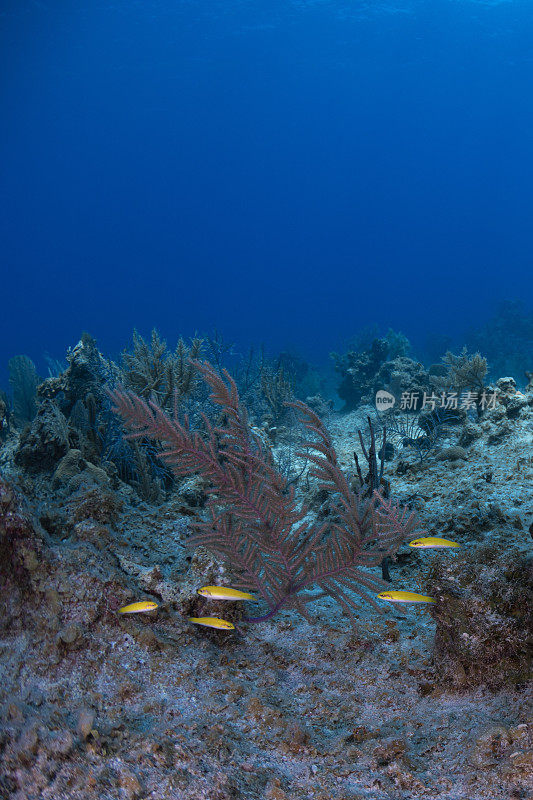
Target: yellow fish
point(433, 541)
point(405, 597)
point(224, 593)
point(135, 608)
point(213, 622)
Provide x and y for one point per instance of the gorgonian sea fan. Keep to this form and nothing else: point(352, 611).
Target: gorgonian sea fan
point(252, 518)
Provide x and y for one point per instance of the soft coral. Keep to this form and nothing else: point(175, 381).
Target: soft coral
point(253, 519)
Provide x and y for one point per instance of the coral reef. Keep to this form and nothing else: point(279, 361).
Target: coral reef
point(45, 441)
point(75, 423)
point(484, 616)
point(82, 381)
point(364, 373)
point(358, 371)
point(414, 703)
point(406, 379)
point(74, 471)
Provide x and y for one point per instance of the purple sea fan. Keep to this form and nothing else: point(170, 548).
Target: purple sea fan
point(253, 520)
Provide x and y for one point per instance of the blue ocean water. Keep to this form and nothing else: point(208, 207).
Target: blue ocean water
point(287, 172)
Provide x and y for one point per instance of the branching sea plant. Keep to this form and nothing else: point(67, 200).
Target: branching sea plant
point(23, 380)
point(373, 484)
point(277, 391)
point(373, 481)
point(154, 372)
point(417, 432)
point(253, 520)
point(465, 372)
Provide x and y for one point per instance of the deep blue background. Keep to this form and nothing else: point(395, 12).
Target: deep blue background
point(287, 172)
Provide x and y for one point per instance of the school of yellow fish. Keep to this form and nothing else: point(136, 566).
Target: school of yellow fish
point(226, 593)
